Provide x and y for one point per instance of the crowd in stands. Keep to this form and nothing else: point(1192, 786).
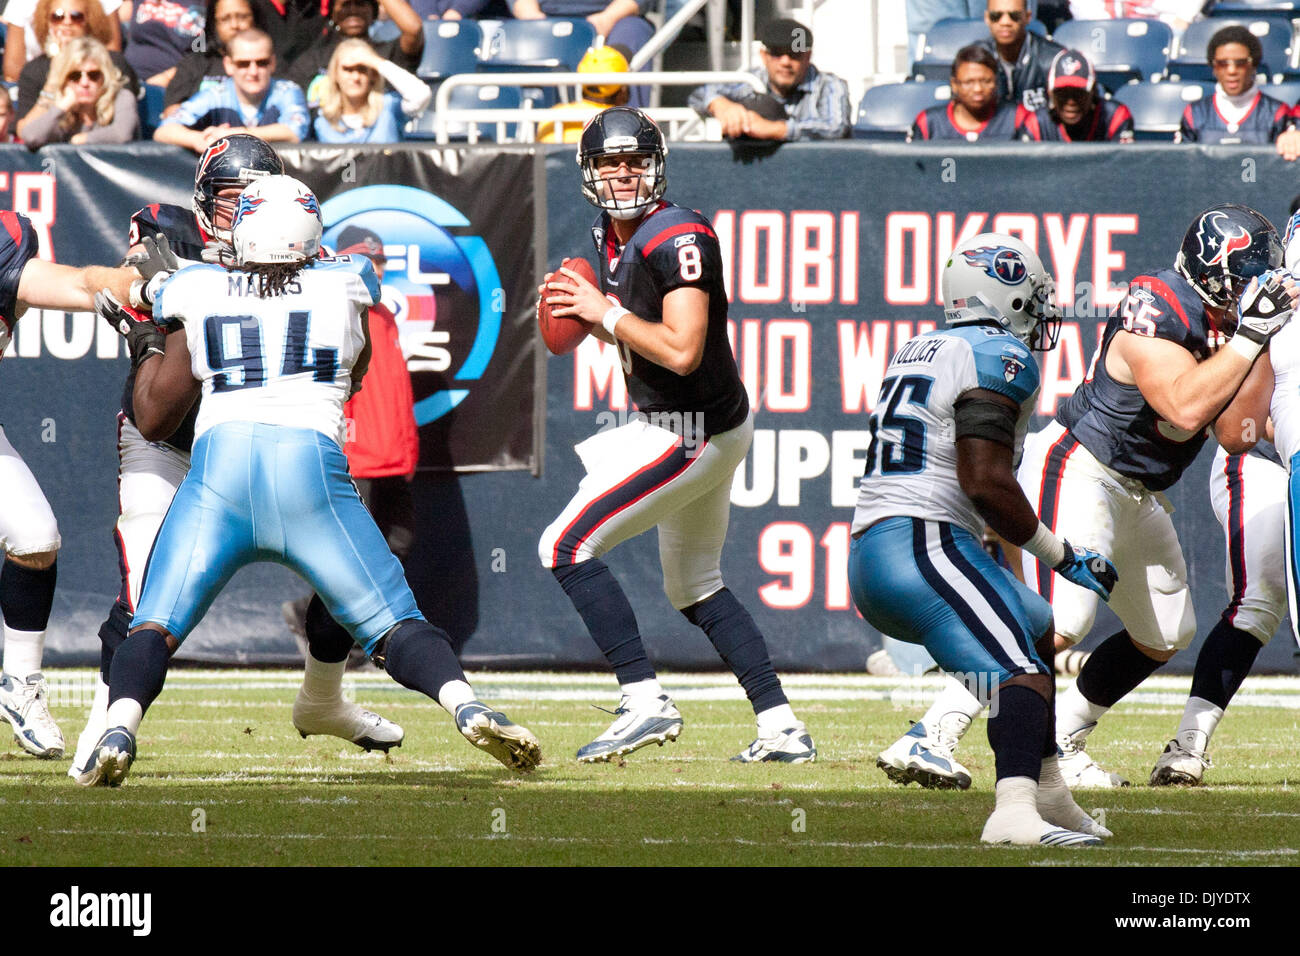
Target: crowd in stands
point(351, 71)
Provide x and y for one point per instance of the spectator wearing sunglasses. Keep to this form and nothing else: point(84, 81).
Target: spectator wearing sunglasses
point(1023, 57)
point(351, 19)
point(355, 107)
point(57, 22)
point(1238, 112)
point(85, 100)
point(247, 101)
point(205, 67)
point(25, 42)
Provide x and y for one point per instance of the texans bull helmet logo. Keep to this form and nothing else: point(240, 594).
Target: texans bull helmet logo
point(1001, 262)
point(1219, 238)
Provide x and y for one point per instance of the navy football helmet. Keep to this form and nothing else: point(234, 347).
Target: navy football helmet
point(1224, 248)
point(623, 131)
point(231, 161)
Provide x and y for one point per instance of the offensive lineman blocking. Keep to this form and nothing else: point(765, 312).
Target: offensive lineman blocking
point(672, 469)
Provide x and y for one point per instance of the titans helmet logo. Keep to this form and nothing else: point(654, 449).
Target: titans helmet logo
point(246, 207)
point(1219, 238)
point(1000, 262)
point(309, 203)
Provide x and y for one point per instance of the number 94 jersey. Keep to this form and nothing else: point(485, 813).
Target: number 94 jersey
point(911, 467)
point(279, 360)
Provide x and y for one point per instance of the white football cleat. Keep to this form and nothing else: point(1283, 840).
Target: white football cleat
point(1079, 770)
point(638, 722)
point(927, 758)
point(22, 703)
point(1016, 826)
point(1180, 766)
point(96, 724)
point(110, 761)
point(792, 745)
point(352, 722)
point(1058, 808)
point(493, 731)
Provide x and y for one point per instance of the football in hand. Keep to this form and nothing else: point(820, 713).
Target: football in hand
point(562, 333)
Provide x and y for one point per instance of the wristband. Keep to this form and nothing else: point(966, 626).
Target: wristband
point(611, 317)
point(1245, 346)
point(137, 286)
point(1045, 546)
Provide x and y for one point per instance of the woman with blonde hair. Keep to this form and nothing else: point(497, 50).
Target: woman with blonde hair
point(354, 105)
point(58, 22)
point(85, 100)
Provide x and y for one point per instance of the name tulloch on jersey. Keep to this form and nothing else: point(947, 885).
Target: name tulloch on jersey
point(919, 350)
point(246, 283)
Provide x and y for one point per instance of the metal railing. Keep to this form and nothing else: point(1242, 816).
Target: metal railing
point(445, 116)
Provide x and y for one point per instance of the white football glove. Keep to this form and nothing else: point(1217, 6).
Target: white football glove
point(1262, 310)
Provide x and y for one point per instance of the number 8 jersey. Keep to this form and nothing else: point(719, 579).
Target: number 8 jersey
point(279, 360)
point(911, 467)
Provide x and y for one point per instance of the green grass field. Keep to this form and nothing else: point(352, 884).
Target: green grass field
point(223, 779)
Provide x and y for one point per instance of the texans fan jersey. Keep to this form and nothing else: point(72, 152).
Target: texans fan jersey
point(911, 465)
point(674, 247)
point(937, 122)
point(1110, 122)
point(1112, 420)
point(186, 240)
point(18, 246)
point(1265, 121)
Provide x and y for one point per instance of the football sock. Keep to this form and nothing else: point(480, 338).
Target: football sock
point(1018, 793)
point(1225, 659)
point(323, 680)
point(1074, 712)
point(138, 672)
point(26, 597)
point(1200, 718)
point(738, 641)
point(420, 656)
point(327, 639)
point(125, 713)
point(454, 693)
point(953, 698)
point(776, 719)
point(111, 635)
point(643, 688)
point(1016, 732)
point(604, 608)
point(1114, 669)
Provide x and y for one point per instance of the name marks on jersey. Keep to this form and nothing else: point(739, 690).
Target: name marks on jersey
point(246, 283)
point(920, 350)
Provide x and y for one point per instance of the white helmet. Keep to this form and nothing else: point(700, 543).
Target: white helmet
point(276, 220)
point(998, 279)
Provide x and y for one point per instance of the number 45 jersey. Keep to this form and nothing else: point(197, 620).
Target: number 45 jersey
point(279, 360)
point(911, 467)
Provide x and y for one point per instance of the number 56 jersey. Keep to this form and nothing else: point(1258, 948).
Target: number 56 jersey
point(911, 467)
point(279, 360)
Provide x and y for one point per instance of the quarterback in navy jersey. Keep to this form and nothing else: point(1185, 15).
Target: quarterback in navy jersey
point(974, 114)
point(29, 534)
point(1075, 113)
point(149, 472)
point(662, 303)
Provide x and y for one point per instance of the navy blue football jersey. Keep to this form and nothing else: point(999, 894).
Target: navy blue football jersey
point(1110, 122)
point(186, 239)
point(1203, 123)
point(18, 246)
point(674, 247)
point(937, 122)
point(1113, 421)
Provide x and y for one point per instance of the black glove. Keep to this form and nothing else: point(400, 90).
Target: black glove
point(143, 338)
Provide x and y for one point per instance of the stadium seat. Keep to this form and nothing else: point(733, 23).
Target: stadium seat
point(1123, 51)
point(472, 97)
point(1274, 35)
point(1157, 108)
point(551, 43)
point(888, 110)
point(450, 46)
point(1288, 93)
point(150, 106)
point(1249, 8)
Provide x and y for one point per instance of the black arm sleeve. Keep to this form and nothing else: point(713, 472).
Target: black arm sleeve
point(981, 418)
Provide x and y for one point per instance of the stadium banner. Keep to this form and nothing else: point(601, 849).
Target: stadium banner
point(832, 254)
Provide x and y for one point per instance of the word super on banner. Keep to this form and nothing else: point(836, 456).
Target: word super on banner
point(833, 257)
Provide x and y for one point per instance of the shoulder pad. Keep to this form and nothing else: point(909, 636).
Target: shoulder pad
point(1004, 364)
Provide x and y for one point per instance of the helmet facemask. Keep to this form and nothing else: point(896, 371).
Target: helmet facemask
point(646, 168)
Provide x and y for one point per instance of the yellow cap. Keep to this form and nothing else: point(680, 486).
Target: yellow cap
point(602, 59)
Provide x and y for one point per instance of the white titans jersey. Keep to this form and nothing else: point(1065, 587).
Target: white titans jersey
point(911, 467)
point(280, 360)
point(1284, 351)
